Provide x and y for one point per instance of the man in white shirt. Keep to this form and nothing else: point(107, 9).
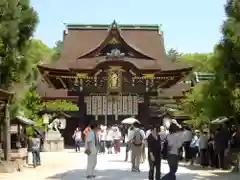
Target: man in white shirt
point(187, 138)
point(91, 149)
point(77, 136)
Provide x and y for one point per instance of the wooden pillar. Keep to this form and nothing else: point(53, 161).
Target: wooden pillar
point(82, 110)
point(146, 103)
point(7, 135)
point(144, 111)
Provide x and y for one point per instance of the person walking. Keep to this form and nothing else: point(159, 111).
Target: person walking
point(154, 154)
point(128, 144)
point(187, 138)
point(91, 149)
point(109, 140)
point(137, 139)
point(35, 142)
point(203, 147)
point(173, 143)
point(77, 136)
point(102, 136)
point(194, 146)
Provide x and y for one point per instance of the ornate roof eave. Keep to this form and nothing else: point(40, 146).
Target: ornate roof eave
point(113, 27)
point(43, 68)
point(184, 71)
point(102, 65)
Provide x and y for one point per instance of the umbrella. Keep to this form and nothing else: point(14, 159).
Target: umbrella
point(129, 121)
point(220, 120)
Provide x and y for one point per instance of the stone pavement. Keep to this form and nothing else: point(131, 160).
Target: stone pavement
point(69, 165)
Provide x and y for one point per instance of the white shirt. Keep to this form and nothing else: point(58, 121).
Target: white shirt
point(174, 141)
point(102, 135)
point(91, 138)
point(116, 134)
point(77, 135)
point(109, 135)
point(148, 133)
point(203, 142)
point(187, 136)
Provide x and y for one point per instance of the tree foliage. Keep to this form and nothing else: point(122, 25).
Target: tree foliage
point(173, 55)
point(57, 50)
point(201, 62)
point(220, 97)
point(17, 24)
point(61, 105)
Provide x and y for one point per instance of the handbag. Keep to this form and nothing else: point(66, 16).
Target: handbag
point(87, 152)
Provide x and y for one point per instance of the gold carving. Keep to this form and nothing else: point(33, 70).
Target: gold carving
point(114, 80)
point(148, 76)
point(115, 68)
point(113, 41)
point(82, 75)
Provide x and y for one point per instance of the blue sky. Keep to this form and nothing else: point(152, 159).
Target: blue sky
point(188, 25)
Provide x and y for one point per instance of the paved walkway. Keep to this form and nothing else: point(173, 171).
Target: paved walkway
point(69, 165)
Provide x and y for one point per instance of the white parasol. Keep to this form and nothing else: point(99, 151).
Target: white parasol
point(129, 121)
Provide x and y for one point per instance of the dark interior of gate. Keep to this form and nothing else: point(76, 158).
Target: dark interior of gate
point(112, 72)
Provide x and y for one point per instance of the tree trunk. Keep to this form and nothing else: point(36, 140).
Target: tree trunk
point(7, 134)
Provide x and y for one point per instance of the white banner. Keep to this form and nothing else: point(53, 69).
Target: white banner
point(135, 105)
point(99, 104)
point(130, 105)
point(109, 106)
point(120, 105)
point(104, 105)
point(125, 101)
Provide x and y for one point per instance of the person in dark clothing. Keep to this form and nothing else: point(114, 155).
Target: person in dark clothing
point(212, 160)
point(222, 143)
point(154, 154)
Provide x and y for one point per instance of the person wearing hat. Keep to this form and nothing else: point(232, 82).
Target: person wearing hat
point(195, 146)
point(203, 145)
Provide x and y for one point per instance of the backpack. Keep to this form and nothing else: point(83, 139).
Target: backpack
point(137, 138)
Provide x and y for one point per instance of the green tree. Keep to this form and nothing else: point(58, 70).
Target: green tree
point(201, 62)
point(57, 50)
point(31, 105)
point(61, 105)
point(230, 44)
point(18, 21)
point(173, 55)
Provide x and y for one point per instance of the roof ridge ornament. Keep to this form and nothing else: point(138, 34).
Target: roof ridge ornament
point(114, 25)
point(115, 54)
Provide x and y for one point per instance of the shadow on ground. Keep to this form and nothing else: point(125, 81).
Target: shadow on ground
point(117, 174)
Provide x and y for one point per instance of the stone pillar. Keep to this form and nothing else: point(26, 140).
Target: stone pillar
point(82, 110)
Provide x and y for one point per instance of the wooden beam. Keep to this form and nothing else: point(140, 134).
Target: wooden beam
point(62, 82)
point(48, 81)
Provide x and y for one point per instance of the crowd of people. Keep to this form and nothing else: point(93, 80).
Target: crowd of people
point(173, 143)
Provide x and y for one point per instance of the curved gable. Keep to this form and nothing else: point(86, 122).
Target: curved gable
point(114, 40)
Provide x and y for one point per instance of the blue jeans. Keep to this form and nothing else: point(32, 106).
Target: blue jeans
point(36, 158)
point(77, 145)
